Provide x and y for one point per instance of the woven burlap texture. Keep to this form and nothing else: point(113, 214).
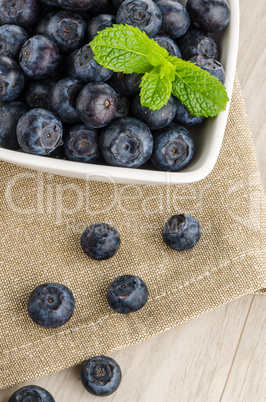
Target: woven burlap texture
point(42, 217)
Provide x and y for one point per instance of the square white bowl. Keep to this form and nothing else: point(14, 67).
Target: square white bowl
point(208, 138)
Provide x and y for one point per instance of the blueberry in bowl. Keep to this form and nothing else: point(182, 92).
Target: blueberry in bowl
point(11, 79)
point(10, 113)
point(81, 144)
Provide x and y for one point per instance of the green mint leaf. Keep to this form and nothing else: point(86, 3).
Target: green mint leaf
point(156, 87)
point(199, 91)
point(123, 48)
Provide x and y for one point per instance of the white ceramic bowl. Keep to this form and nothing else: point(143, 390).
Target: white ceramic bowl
point(208, 138)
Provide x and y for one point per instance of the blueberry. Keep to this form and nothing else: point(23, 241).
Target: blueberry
point(39, 132)
point(181, 232)
point(39, 57)
point(143, 14)
point(12, 37)
point(126, 84)
point(214, 67)
point(99, 23)
point(31, 393)
point(168, 44)
point(102, 7)
point(123, 106)
point(173, 148)
point(19, 12)
point(175, 18)
point(183, 116)
point(51, 305)
point(126, 142)
point(100, 241)
point(82, 65)
point(77, 5)
point(197, 43)
point(10, 113)
point(37, 94)
point(155, 119)
point(127, 294)
point(81, 144)
point(97, 104)
point(40, 27)
point(209, 15)
point(101, 375)
point(11, 79)
point(67, 30)
point(63, 97)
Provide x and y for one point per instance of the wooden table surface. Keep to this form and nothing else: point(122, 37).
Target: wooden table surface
point(220, 356)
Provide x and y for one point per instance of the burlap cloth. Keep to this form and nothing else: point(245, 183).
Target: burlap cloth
point(42, 217)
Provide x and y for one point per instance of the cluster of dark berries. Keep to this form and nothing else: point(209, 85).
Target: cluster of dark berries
point(59, 102)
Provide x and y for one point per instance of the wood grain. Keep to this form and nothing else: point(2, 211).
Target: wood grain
point(221, 355)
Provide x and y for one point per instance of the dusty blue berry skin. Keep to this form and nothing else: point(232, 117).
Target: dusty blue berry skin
point(183, 116)
point(39, 132)
point(37, 94)
point(81, 144)
point(175, 18)
point(10, 113)
point(125, 84)
point(168, 44)
point(31, 393)
point(127, 294)
point(63, 97)
point(99, 23)
point(101, 375)
point(97, 104)
point(100, 241)
point(126, 142)
point(212, 66)
point(173, 148)
point(51, 305)
point(39, 57)
point(155, 119)
point(19, 12)
point(82, 65)
point(77, 5)
point(67, 30)
point(197, 43)
point(143, 14)
point(11, 79)
point(181, 232)
point(12, 37)
point(209, 15)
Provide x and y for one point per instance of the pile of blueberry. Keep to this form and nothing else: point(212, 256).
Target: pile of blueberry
point(59, 102)
point(51, 305)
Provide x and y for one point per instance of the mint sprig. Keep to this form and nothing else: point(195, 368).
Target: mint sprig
point(123, 48)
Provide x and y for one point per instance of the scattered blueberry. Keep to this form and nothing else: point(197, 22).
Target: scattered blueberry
point(183, 116)
point(11, 79)
point(126, 142)
point(99, 23)
point(168, 44)
point(81, 144)
point(63, 97)
point(127, 294)
point(51, 305)
point(126, 84)
point(10, 113)
point(155, 119)
point(143, 14)
point(173, 148)
point(197, 43)
point(82, 65)
point(19, 12)
point(181, 232)
point(31, 393)
point(214, 67)
point(67, 30)
point(39, 57)
point(39, 132)
point(12, 37)
point(175, 18)
point(97, 104)
point(37, 94)
point(101, 375)
point(209, 15)
point(100, 241)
